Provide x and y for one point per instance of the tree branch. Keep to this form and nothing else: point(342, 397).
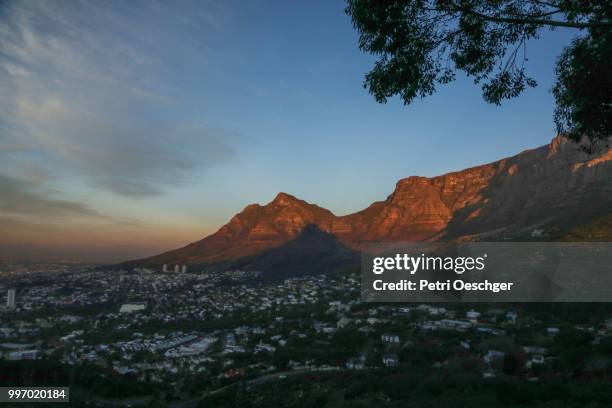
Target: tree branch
point(554, 23)
point(529, 20)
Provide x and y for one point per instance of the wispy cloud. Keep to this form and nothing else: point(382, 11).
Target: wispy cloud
point(86, 86)
point(21, 198)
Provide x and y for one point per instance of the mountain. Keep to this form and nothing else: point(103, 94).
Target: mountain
point(254, 229)
point(554, 187)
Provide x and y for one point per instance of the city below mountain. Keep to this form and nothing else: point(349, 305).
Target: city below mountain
point(540, 193)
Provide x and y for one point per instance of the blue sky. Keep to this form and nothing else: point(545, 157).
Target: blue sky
point(154, 122)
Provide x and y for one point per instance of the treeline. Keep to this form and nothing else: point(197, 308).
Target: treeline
point(45, 373)
point(391, 389)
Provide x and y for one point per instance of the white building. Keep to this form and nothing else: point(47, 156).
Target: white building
point(449, 324)
point(472, 315)
point(552, 330)
point(493, 355)
point(431, 310)
point(23, 355)
point(511, 317)
point(390, 338)
point(343, 322)
point(356, 363)
point(132, 307)
point(10, 298)
point(264, 347)
point(390, 360)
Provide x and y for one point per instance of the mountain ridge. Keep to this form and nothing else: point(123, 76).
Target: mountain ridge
point(548, 185)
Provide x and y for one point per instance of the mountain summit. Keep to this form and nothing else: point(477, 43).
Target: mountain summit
point(552, 187)
point(254, 229)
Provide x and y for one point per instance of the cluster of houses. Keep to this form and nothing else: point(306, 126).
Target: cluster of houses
point(132, 300)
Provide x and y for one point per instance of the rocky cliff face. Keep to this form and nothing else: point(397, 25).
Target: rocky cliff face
point(549, 187)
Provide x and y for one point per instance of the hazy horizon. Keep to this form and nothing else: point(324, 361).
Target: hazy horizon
point(144, 125)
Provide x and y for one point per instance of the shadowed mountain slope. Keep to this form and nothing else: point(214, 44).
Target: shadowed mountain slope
point(311, 251)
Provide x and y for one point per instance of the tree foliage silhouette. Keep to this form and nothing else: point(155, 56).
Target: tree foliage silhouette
point(421, 44)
